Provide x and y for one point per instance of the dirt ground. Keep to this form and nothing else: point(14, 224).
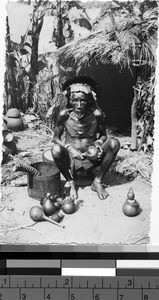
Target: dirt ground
point(94, 222)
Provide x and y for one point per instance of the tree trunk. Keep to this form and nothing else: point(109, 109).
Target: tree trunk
point(134, 123)
point(134, 143)
point(36, 29)
point(10, 85)
point(59, 41)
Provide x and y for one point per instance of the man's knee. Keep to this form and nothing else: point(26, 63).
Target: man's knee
point(114, 144)
point(56, 151)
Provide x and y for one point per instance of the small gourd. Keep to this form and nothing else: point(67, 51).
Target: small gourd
point(68, 206)
point(131, 207)
point(92, 152)
point(56, 217)
point(37, 215)
point(49, 207)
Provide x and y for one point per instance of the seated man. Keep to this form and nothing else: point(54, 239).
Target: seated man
point(84, 126)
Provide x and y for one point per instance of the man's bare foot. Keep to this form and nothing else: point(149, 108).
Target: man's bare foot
point(97, 187)
point(73, 193)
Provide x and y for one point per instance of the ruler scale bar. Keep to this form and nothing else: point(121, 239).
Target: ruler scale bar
point(78, 294)
point(123, 282)
point(77, 288)
point(52, 279)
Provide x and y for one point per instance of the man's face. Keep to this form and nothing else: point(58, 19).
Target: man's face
point(79, 103)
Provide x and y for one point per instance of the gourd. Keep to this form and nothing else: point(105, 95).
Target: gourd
point(131, 207)
point(37, 214)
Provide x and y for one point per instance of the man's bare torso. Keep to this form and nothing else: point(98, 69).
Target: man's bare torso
point(81, 133)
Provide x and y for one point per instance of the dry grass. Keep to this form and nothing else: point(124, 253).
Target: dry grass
point(132, 42)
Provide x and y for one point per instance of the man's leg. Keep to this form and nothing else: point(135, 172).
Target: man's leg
point(110, 149)
point(63, 162)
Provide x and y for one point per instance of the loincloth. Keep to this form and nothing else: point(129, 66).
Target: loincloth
point(86, 164)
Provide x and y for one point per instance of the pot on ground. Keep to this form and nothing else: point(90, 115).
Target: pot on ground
point(14, 120)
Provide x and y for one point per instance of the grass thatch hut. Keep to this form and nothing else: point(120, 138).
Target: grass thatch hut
point(127, 39)
point(117, 54)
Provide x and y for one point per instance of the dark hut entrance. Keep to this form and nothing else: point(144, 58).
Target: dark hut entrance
point(116, 93)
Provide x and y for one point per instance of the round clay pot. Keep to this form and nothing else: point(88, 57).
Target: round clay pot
point(13, 113)
point(14, 120)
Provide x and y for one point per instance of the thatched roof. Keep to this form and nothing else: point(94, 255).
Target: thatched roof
point(129, 42)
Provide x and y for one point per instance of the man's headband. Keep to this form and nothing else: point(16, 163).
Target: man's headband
point(81, 88)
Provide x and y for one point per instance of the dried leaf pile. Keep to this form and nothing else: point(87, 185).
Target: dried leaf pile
point(137, 164)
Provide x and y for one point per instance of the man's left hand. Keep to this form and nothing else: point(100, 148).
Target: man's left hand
point(98, 144)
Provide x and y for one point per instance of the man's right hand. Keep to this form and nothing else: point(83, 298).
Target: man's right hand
point(74, 152)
